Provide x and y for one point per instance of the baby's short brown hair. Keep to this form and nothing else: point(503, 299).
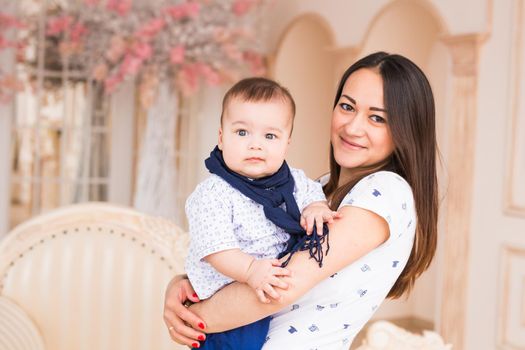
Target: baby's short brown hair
point(258, 90)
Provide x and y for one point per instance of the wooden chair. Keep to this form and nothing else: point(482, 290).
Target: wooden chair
point(88, 276)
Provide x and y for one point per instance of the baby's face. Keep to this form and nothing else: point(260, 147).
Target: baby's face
point(254, 136)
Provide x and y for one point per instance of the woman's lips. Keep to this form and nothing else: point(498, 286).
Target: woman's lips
point(351, 145)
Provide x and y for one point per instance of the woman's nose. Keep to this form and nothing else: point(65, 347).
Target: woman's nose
point(356, 125)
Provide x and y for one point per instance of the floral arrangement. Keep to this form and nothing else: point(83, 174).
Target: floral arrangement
point(188, 42)
point(8, 82)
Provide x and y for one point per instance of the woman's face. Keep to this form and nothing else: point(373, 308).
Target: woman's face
point(360, 133)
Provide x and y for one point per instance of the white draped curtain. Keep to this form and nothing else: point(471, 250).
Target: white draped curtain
point(156, 180)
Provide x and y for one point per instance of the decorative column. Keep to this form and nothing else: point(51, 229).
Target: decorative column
point(461, 154)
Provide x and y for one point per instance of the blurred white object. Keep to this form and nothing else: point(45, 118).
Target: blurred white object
point(385, 335)
point(91, 276)
point(156, 173)
point(17, 331)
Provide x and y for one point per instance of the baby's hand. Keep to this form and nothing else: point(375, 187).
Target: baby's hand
point(263, 276)
point(316, 214)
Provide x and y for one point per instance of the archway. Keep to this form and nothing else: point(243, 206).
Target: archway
point(303, 64)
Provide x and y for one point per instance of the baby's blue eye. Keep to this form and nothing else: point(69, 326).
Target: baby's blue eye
point(242, 132)
point(270, 136)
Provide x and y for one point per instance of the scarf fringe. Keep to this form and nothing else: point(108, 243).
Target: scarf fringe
point(313, 243)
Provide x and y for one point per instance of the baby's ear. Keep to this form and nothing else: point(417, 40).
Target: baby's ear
point(219, 142)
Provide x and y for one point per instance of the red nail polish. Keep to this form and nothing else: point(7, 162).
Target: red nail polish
point(201, 325)
point(195, 345)
point(200, 337)
point(195, 295)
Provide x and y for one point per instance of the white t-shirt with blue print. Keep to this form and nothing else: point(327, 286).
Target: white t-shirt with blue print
point(330, 315)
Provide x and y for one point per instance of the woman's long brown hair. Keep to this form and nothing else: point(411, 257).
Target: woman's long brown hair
point(409, 101)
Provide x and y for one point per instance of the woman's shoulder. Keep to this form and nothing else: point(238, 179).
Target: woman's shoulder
point(384, 179)
point(380, 183)
point(386, 194)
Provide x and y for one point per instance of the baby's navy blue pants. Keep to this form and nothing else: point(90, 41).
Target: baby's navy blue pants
point(249, 337)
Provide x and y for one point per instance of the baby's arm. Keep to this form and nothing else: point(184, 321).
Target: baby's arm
point(316, 213)
point(260, 274)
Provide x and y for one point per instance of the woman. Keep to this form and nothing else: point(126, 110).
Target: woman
point(383, 183)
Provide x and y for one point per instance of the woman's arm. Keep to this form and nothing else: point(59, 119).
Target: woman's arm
point(357, 233)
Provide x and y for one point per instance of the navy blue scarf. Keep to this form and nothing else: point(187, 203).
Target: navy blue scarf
point(271, 192)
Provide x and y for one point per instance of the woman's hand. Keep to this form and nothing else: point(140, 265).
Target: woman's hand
point(181, 322)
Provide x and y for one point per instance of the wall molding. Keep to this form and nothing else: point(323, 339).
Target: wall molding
point(511, 205)
point(511, 303)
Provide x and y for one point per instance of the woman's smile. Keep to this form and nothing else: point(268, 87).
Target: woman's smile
point(351, 145)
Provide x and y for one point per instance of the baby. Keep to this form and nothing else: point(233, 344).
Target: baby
point(248, 212)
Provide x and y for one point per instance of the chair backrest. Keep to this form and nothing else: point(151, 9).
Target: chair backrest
point(93, 276)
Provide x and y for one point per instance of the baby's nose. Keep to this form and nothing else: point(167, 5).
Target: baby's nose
point(254, 144)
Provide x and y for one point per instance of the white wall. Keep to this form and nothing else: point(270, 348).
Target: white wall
point(350, 19)
point(493, 228)
point(339, 13)
point(208, 115)
point(121, 143)
point(411, 29)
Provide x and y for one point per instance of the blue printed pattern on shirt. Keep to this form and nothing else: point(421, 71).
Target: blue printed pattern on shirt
point(332, 313)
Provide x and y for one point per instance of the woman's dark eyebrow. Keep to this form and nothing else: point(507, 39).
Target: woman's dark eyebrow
point(348, 98)
point(371, 108)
